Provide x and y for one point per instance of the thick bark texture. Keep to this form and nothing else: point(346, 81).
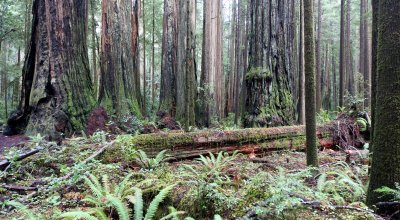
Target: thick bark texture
point(169, 59)
point(186, 66)
point(268, 97)
point(117, 91)
point(318, 59)
point(342, 67)
point(385, 170)
point(374, 66)
point(309, 61)
point(212, 76)
point(301, 107)
point(57, 91)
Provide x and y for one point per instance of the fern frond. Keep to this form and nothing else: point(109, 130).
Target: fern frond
point(77, 215)
point(23, 209)
point(161, 156)
point(92, 200)
point(121, 189)
point(138, 204)
point(95, 181)
point(106, 184)
point(99, 213)
point(151, 211)
point(121, 208)
point(94, 186)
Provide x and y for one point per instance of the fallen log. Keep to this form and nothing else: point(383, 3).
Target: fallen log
point(5, 163)
point(187, 145)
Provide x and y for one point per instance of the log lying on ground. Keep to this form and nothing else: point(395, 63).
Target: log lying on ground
point(186, 145)
point(5, 163)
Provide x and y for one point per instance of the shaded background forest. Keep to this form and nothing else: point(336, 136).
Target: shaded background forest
point(235, 76)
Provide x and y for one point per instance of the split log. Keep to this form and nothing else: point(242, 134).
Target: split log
point(187, 145)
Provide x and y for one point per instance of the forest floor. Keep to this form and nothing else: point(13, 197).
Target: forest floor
point(266, 185)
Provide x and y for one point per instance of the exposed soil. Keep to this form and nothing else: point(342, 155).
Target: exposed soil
point(9, 141)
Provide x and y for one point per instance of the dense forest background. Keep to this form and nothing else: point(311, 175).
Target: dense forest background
point(226, 69)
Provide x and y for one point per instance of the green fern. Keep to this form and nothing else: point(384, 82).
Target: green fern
point(23, 210)
point(147, 163)
point(77, 215)
point(121, 208)
point(151, 211)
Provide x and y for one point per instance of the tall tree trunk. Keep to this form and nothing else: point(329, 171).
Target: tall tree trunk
point(231, 91)
point(342, 67)
point(95, 74)
point(348, 46)
point(318, 59)
point(144, 103)
point(301, 103)
point(366, 52)
point(268, 97)
point(186, 71)
point(169, 59)
point(385, 170)
point(309, 61)
point(334, 80)
point(374, 67)
point(153, 66)
point(212, 75)
point(57, 91)
point(239, 57)
point(117, 91)
point(135, 50)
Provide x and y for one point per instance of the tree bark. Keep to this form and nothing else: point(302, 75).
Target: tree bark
point(186, 71)
point(309, 46)
point(374, 67)
point(301, 104)
point(211, 81)
point(57, 91)
point(318, 91)
point(342, 67)
point(169, 59)
point(385, 170)
point(268, 97)
point(117, 91)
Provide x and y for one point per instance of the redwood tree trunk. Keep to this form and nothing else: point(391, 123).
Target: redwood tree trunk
point(169, 59)
point(268, 97)
point(117, 91)
point(385, 169)
point(186, 71)
point(57, 91)
point(211, 83)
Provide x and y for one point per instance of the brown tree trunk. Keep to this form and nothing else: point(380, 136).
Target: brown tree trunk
point(95, 74)
point(366, 52)
point(57, 91)
point(153, 66)
point(135, 50)
point(342, 67)
point(212, 75)
point(231, 91)
point(169, 59)
point(144, 103)
point(186, 71)
point(319, 60)
point(374, 67)
point(349, 72)
point(309, 61)
point(301, 103)
point(268, 97)
point(385, 169)
point(117, 91)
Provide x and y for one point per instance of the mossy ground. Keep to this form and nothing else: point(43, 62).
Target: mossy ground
point(247, 182)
